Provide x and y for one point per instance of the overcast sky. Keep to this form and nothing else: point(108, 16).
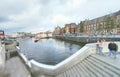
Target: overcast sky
point(43, 15)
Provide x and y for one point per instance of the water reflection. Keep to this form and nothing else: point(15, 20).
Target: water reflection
point(48, 51)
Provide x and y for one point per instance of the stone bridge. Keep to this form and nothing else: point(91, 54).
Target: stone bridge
point(84, 63)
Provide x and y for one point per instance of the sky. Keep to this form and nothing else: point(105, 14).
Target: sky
point(44, 15)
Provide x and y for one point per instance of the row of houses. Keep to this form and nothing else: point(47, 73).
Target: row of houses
point(68, 29)
point(20, 35)
point(25, 34)
point(43, 34)
point(102, 25)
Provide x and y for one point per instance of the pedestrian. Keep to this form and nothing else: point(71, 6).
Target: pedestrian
point(112, 46)
point(100, 45)
point(97, 47)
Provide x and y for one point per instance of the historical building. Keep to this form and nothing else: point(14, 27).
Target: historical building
point(103, 25)
point(43, 34)
point(73, 27)
point(108, 24)
point(67, 28)
point(63, 30)
point(58, 31)
point(70, 28)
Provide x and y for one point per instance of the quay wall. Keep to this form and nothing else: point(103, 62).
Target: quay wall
point(12, 46)
point(87, 38)
point(73, 38)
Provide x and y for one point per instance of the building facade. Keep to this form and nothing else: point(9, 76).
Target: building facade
point(108, 24)
point(103, 25)
point(58, 31)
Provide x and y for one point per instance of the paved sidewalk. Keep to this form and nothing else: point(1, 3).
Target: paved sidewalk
point(16, 68)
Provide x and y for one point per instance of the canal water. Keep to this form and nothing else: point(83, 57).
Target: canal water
point(48, 51)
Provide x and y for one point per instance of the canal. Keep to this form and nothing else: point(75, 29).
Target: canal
point(48, 51)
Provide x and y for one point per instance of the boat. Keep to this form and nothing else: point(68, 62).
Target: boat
point(36, 40)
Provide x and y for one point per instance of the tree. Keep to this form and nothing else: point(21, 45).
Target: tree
point(110, 24)
point(81, 27)
point(118, 25)
point(100, 28)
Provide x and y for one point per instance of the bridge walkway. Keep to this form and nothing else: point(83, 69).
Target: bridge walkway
point(16, 68)
point(94, 66)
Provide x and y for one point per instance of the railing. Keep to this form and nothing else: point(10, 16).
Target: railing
point(87, 50)
point(2, 58)
point(87, 35)
point(64, 65)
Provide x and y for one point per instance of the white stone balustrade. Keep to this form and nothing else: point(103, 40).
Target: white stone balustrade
point(2, 59)
point(51, 70)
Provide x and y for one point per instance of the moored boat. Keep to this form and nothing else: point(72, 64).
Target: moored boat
point(36, 40)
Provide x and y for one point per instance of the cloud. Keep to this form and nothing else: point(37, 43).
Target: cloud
point(12, 7)
point(43, 15)
point(3, 19)
point(58, 19)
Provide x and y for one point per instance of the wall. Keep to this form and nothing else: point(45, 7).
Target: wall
point(2, 59)
point(88, 38)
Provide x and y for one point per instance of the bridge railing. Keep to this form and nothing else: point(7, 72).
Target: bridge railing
point(64, 65)
point(88, 49)
point(2, 59)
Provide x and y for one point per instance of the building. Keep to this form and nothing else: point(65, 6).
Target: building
point(73, 28)
point(57, 31)
point(67, 28)
point(108, 24)
point(103, 25)
point(49, 34)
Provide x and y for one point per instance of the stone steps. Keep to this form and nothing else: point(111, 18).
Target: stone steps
point(109, 67)
point(94, 69)
point(106, 72)
point(88, 70)
point(92, 66)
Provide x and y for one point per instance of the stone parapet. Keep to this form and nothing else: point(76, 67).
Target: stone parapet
point(2, 59)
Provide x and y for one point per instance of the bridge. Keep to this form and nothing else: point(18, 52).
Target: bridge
point(84, 63)
point(11, 65)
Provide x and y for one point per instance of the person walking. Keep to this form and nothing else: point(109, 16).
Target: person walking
point(112, 46)
point(100, 44)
